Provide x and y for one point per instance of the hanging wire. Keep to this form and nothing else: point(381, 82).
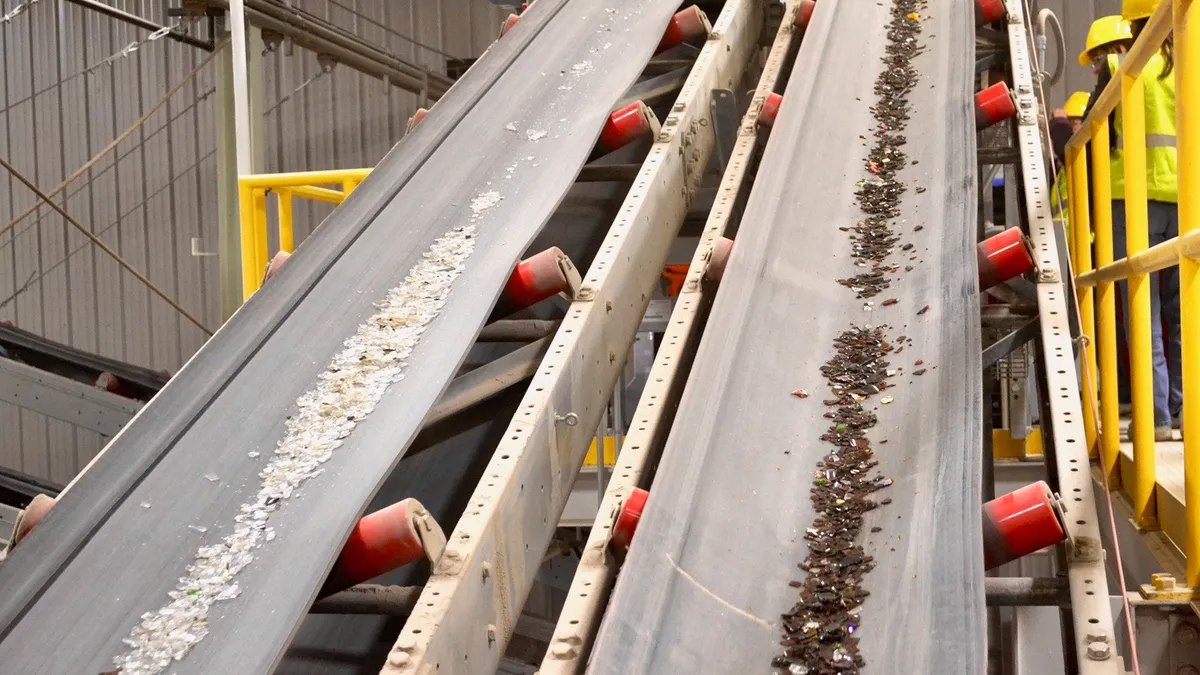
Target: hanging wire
point(17, 11)
point(321, 72)
point(104, 230)
point(391, 31)
point(114, 164)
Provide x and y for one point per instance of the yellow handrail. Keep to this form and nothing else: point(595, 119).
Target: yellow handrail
point(253, 205)
point(1095, 285)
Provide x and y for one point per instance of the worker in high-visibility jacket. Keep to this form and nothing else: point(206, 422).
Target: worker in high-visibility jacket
point(1065, 122)
point(1162, 191)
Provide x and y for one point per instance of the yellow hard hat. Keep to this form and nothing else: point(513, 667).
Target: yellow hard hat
point(1077, 104)
point(1133, 10)
point(1106, 30)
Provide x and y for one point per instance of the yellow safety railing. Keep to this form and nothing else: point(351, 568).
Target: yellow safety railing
point(1095, 282)
point(252, 200)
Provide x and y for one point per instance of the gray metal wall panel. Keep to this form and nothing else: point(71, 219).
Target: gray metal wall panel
point(1075, 16)
point(157, 191)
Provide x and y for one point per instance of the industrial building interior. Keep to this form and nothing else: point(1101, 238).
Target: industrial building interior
point(599, 336)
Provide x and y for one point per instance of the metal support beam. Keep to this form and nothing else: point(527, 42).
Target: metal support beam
point(140, 22)
point(1026, 592)
point(64, 399)
point(397, 601)
point(486, 381)
point(1007, 344)
point(517, 330)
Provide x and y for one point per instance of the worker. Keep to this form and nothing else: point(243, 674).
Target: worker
point(1063, 124)
point(1162, 192)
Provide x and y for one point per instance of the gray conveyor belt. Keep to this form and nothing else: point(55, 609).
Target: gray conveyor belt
point(707, 577)
point(120, 539)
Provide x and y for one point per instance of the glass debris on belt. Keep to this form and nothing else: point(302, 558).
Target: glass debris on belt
point(820, 632)
point(345, 393)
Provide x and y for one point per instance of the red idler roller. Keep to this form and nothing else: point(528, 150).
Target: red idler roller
point(112, 384)
point(770, 110)
point(628, 518)
point(536, 278)
point(29, 518)
point(5, 322)
point(718, 258)
point(625, 126)
point(1002, 257)
point(416, 119)
point(687, 25)
point(804, 13)
point(1020, 523)
point(386, 540)
point(508, 24)
point(993, 105)
point(276, 264)
point(989, 11)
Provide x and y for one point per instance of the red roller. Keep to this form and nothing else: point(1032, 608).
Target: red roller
point(29, 518)
point(111, 383)
point(625, 126)
point(1020, 523)
point(383, 541)
point(276, 264)
point(628, 518)
point(687, 25)
point(416, 119)
point(537, 278)
point(717, 260)
point(5, 322)
point(508, 24)
point(989, 11)
point(994, 104)
point(1002, 257)
point(804, 13)
point(770, 110)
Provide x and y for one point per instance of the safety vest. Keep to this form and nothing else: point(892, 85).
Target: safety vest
point(1059, 199)
point(1162, 177)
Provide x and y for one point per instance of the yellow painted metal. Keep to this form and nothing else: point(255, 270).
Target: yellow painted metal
point(319, 194)
point(1005, 446)
point(250, 268)
point(610, 452)
point(1162, 588)
point(1137, 239)
point(1072, 209)
point(1106, 306)
point(1187, 108)
point(1159, 257)
point(1081, 230)
point(286, 235)
point(252, 193)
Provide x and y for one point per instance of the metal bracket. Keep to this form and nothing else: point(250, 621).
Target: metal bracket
point(1163, 589)
point(725, 125)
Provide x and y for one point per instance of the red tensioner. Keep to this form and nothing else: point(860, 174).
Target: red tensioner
point(993, 105)
point(1002, 257)
point(718, 259)
point(509, 22)
point(687, 25)
point(628, 518)
point(989, 11)
point(770, 110)
point(804, 13)
point(624, 126)
point(1020, 523)
point(416, 119)
point(386, 540)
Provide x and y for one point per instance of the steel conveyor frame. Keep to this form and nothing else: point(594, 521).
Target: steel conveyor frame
point(470, 605)
point(66, 569)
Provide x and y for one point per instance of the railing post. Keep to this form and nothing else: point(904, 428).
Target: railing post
point(1187, 116)
point(1106, 337)
point(1069, 222)
point(1137, 238)
point(286, 236)
point(249, 240)
point(1081, 231)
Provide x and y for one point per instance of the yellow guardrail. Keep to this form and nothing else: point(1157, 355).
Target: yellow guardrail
point(1094, 282)
point(252, 200)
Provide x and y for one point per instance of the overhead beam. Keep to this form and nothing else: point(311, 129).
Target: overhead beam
point(144, 23)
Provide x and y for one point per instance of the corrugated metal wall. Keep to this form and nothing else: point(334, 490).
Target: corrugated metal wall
point(66, 91)
point(1075, 16)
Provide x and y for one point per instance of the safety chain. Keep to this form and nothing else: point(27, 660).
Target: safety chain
point(17, 11)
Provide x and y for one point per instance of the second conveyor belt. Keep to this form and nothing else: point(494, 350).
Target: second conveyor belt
point(707, 577)
point(499, 153)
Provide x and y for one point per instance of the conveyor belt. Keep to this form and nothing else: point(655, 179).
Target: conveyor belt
point(708, 574)
point(78, 585)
